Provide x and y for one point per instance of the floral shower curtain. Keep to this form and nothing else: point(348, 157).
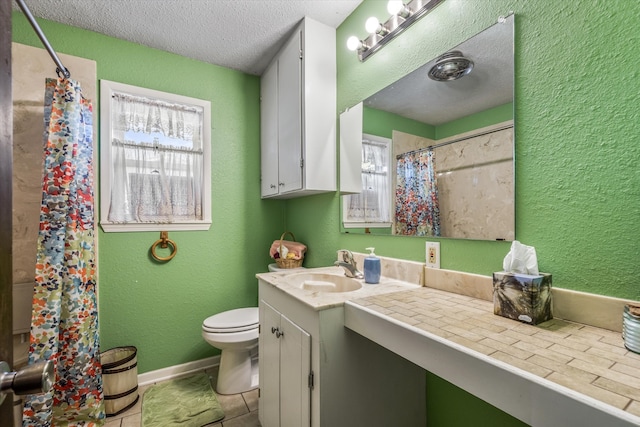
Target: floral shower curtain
point(417, 210)
point(64, 325)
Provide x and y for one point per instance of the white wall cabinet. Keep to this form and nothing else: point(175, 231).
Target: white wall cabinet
point(298, 115)
point(285, 370)
point(349, 388)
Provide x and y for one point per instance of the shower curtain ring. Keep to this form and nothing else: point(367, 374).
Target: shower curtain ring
point(63, 73)
point(164, 243)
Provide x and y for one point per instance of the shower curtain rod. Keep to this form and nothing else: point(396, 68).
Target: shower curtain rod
point(442, 144)
point(61, 68)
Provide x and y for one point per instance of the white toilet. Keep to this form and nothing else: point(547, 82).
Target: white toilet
point(235, 332)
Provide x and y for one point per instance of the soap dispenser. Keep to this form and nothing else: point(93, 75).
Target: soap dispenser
point(371, 268)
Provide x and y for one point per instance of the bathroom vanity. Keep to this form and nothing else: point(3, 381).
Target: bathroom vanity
point(370, 347)
point(315, 372)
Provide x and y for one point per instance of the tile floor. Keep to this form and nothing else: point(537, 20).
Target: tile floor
point(241, 410)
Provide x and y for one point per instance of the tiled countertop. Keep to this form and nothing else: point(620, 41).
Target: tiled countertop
point(569, 360)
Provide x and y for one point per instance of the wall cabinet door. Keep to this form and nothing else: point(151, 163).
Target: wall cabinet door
point(281, 122)
point(285, 369)
point(290, 116)
point(269, 131)
point(298, 115)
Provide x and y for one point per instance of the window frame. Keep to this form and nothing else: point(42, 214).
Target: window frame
point(107, 88)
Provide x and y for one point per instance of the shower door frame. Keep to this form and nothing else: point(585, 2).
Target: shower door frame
point(6, 201)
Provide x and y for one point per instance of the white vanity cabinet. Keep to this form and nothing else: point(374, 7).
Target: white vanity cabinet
point(320, 373)
point(285, 371)
point(298, 115)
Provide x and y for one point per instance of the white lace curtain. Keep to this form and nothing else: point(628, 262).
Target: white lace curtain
point(157, 161)
point(372, 205)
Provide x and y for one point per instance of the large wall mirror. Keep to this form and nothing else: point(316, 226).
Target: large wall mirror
point(438, 155)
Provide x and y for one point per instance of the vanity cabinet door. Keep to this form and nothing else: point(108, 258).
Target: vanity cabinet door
point(285, 367)
point(295, 371)
point(269, 367)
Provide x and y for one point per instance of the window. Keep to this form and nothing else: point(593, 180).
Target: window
point(155, 160)
point(372, 207)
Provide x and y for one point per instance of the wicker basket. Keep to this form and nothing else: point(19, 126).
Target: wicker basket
point(120, 379)
point(288, 263)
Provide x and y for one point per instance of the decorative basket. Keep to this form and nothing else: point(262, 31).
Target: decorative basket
point(288, 262)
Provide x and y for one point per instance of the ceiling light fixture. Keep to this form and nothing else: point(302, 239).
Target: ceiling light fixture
point(450, 66)
point(402, 16)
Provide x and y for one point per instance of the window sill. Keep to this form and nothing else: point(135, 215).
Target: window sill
point(366, 224)
point(109, 227)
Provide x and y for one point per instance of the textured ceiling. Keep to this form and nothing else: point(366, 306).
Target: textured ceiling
point(490, 83)
point(238, 34)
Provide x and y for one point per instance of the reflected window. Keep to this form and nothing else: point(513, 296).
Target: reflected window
point(371, 208)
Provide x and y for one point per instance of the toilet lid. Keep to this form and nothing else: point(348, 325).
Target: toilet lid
point(238, 320)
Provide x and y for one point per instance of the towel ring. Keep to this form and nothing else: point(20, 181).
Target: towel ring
point(164, 243)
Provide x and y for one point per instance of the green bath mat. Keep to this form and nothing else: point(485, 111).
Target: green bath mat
point(184, 402)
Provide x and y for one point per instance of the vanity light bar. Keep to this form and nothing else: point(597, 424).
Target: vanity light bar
point(383, 33)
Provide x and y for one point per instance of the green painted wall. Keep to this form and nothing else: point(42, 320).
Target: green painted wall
point(491, 116)
point(450, 406)
point(577, 151)
point(382, 123)
point(159, 308)
point(577, 122)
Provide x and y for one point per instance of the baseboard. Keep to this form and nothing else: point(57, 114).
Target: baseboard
point(177, 370)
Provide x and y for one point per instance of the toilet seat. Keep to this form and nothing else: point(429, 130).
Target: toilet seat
point(238, 320)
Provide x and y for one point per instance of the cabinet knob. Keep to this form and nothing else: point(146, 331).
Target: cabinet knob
point(272, 186)
point(281, 184)
point(273, 329)
point(279, 334)
point(276, 331)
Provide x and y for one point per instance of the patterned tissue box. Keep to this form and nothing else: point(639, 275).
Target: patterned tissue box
point(522, 297)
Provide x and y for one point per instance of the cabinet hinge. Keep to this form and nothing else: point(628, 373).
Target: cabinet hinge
point(301, 54)
point(259, 328)
point(301, 163)
point(258, 392)
point(311, 380)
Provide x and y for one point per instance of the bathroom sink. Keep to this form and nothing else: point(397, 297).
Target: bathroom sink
point(324, 282)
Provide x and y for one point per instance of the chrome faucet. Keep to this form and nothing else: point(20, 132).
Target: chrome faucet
point(349, 264)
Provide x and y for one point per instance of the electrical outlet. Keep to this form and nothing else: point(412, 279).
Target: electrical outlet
point(433, 254)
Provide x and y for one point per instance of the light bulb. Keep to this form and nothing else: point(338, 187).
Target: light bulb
point(372, 24)
point(394, 6)
point(353, 43)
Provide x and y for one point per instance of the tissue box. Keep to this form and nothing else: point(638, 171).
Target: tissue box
point(522, 297)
